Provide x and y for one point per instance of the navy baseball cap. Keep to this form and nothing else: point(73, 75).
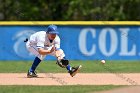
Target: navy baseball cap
point(52, 29)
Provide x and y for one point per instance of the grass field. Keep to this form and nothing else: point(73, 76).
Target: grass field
point(87, 66)
point(55, 89)
point(51, 67)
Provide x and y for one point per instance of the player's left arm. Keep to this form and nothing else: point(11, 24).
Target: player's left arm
point(58, 52)
point(61, 61)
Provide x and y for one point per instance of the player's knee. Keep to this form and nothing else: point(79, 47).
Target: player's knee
point(41, 57)
point(62, 53)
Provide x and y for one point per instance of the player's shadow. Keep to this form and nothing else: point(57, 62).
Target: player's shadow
point(31, 77)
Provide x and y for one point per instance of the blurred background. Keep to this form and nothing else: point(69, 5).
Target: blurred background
point(94, 38)
point(70, 10)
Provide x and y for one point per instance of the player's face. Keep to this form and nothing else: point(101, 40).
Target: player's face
point(51, 36)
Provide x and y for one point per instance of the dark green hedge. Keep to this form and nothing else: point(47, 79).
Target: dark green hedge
point(69, 10)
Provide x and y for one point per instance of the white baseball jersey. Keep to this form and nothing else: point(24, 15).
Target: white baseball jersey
point(40, 40)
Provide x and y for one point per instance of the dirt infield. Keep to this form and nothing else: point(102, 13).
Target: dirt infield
point(66, 79)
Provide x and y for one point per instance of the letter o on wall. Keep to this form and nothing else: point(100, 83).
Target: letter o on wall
point(102, 41)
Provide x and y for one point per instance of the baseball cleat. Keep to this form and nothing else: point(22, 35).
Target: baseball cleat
point(31, 74)
point(75, 70)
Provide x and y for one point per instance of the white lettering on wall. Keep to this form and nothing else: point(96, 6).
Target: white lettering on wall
point(124, 43)
point(119, 42)
point(113, 42)
point(82, 41)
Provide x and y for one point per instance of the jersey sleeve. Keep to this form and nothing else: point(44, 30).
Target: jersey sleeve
point(40, 42)
point(57, 43)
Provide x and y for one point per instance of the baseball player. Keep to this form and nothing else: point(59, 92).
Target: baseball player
point(44, 43)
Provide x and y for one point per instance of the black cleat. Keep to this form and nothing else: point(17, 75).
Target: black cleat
point(75, 70)
point(31, 74)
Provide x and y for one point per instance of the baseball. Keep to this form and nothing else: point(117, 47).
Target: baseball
point(103, 61)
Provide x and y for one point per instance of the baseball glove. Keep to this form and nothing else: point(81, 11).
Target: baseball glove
point(62, 63)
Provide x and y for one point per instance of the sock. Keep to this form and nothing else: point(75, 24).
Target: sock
point(68, 67)
point(35, 64)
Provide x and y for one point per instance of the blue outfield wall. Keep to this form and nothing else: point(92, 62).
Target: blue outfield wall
point(78, 42)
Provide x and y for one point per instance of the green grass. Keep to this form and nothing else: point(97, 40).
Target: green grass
point(87, 66)
point(51, 67)
point(55, 89)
